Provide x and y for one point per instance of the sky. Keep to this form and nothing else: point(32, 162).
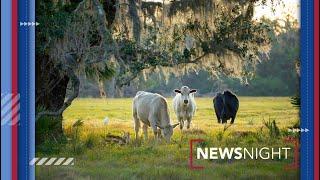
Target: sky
point(291, 7)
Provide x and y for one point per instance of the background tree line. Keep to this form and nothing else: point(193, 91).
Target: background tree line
point(274, 76)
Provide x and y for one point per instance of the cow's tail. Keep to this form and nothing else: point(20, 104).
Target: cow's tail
point(134, 110)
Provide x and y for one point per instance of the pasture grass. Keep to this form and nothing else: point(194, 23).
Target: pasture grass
point(145, 159)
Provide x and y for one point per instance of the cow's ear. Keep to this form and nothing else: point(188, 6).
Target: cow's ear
point(175, 125)
point(193, 90)
point(177, 91)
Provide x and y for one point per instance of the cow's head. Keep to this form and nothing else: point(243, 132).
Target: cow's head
point(186, 93)
point(167, 131)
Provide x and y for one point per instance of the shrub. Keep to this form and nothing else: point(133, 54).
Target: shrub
point(273, 128)
point(77, 146)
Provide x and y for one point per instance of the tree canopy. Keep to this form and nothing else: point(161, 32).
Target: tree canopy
point(124, 38)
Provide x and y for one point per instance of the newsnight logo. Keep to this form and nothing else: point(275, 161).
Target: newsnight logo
point(238, 153)
point(244, 153)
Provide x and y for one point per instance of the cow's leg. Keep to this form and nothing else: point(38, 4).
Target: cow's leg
point(145, 131)
point(159, 134)
point(232, 120)
point(156, 138)
point(181, 122)
point(155, 133)
point(188, 122)
point(154, 128)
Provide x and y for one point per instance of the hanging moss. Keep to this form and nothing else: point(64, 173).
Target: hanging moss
point(150, 7)
point(196, 6)
point(135, 19)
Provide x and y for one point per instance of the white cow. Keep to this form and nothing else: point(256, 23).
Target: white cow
point(152, 110)
point(184, 105)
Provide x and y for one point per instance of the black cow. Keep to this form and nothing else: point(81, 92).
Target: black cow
point(226, 106)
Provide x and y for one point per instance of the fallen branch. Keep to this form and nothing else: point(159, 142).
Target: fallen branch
point(125, 139)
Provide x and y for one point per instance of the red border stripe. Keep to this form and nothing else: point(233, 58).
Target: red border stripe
point(14, 132)
point(316, 89)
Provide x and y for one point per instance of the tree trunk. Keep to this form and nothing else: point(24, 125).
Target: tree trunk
point(101, 89)
point(51, 88)
point(51, 82)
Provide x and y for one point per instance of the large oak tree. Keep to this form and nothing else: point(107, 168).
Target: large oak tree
point(124, 38)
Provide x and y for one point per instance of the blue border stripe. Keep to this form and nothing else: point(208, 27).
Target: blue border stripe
point(23, 84)
point(307, 91)
point(32, 89)
point(5, 85)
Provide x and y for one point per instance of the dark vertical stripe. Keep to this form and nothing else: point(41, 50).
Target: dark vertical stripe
point(14, 72)
point(316, 89)
point(307, 94)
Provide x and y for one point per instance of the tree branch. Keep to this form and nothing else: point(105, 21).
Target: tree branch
point(196, 60)
point(125, 81)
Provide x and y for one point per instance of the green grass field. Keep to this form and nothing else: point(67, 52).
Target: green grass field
point(143, 159)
